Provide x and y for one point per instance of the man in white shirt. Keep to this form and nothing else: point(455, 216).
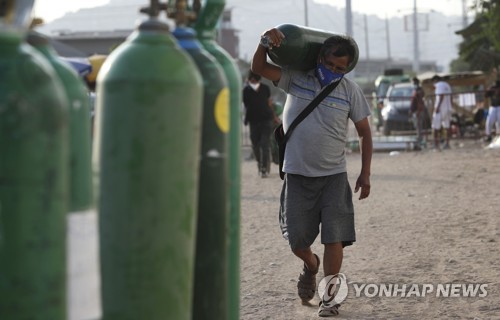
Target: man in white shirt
point(441, 116)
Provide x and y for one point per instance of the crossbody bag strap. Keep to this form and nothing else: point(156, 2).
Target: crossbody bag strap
point(310, 107)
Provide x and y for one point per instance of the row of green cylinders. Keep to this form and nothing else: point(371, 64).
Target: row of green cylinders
point(166, 160)
point(45, 172)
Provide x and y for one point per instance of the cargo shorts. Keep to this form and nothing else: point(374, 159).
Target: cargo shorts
point(306, 203)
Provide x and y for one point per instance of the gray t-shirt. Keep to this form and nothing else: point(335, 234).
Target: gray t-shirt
point(316, 147)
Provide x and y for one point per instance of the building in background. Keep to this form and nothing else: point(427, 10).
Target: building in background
point(101, 29)
point(228, 36)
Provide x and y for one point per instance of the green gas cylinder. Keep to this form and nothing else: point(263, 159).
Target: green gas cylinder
point(210, 287)
point(300, 48)
point(205, 28)
point(33, 176)
point(146, 152)
point(81, 246)
point(79, 124)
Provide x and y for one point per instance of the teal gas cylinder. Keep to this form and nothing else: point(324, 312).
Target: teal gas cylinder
point(205, 28)
point(210, 287)
point(79, 124)
point(300, 48)
point(33, 176)
point(146, 153)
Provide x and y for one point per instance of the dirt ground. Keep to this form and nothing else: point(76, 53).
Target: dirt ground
point(433, 218)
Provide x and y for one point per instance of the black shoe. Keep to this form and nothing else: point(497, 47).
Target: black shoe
point(488, 139)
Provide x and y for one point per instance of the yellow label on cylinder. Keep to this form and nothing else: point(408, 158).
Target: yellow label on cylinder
point(221, 111)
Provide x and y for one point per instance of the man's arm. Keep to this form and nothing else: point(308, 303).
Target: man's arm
point(440, 98)
point(259, 62)
point(276, 119)
point(366, 148)
point(245, 104)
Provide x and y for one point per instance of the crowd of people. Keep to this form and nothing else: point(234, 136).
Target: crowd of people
point(446, 119)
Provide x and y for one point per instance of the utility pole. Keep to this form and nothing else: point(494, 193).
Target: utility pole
point(306, 18)
point(465, 23)
point(388, 39)
point(348, 18)
point(416, 58)
point(367, 44)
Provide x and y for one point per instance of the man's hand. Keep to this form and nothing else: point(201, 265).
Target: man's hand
point(363, 182)
point(365, 140)
point(274, 37)
point(260, 65)
point(276, 120)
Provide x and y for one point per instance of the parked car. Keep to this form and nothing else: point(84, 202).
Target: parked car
point(396, 109)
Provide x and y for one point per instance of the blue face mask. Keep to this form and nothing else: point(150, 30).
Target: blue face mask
point(326, 76)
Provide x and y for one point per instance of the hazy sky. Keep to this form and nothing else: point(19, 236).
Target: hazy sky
point(52, 9)
point(390, 8)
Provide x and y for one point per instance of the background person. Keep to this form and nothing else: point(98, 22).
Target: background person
point(441, 117)
point(493, 117)
point(417, 111)
point(260, 116)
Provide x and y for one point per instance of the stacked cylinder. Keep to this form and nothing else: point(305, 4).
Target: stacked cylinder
point(205, 27)
point(210, 292)
point(146, 155)
point(81, 249)
point(80, 190)
point(33, 176)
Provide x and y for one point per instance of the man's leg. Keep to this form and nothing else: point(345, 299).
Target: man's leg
point(436, 128)
point(265, 146)
point(255, 139)
point(446, 124)
point(306, 286)
point(447, 139)
point(308, 257)
point(332, 259)
point(496, 112)
point(418, 125)
point(436, 138)
point(420, 122)
point(488, 124)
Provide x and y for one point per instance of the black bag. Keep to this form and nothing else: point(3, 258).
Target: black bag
point(279, 134)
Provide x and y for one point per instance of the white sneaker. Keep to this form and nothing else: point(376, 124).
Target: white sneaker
point(325, 311)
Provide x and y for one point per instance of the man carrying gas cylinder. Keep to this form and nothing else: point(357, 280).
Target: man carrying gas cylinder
point(316, 190)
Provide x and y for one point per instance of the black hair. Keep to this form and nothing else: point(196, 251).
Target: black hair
point(338, 46)
point(436, 78)
point(252, 75)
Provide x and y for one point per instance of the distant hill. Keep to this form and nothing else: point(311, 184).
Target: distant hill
point(438, 43)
